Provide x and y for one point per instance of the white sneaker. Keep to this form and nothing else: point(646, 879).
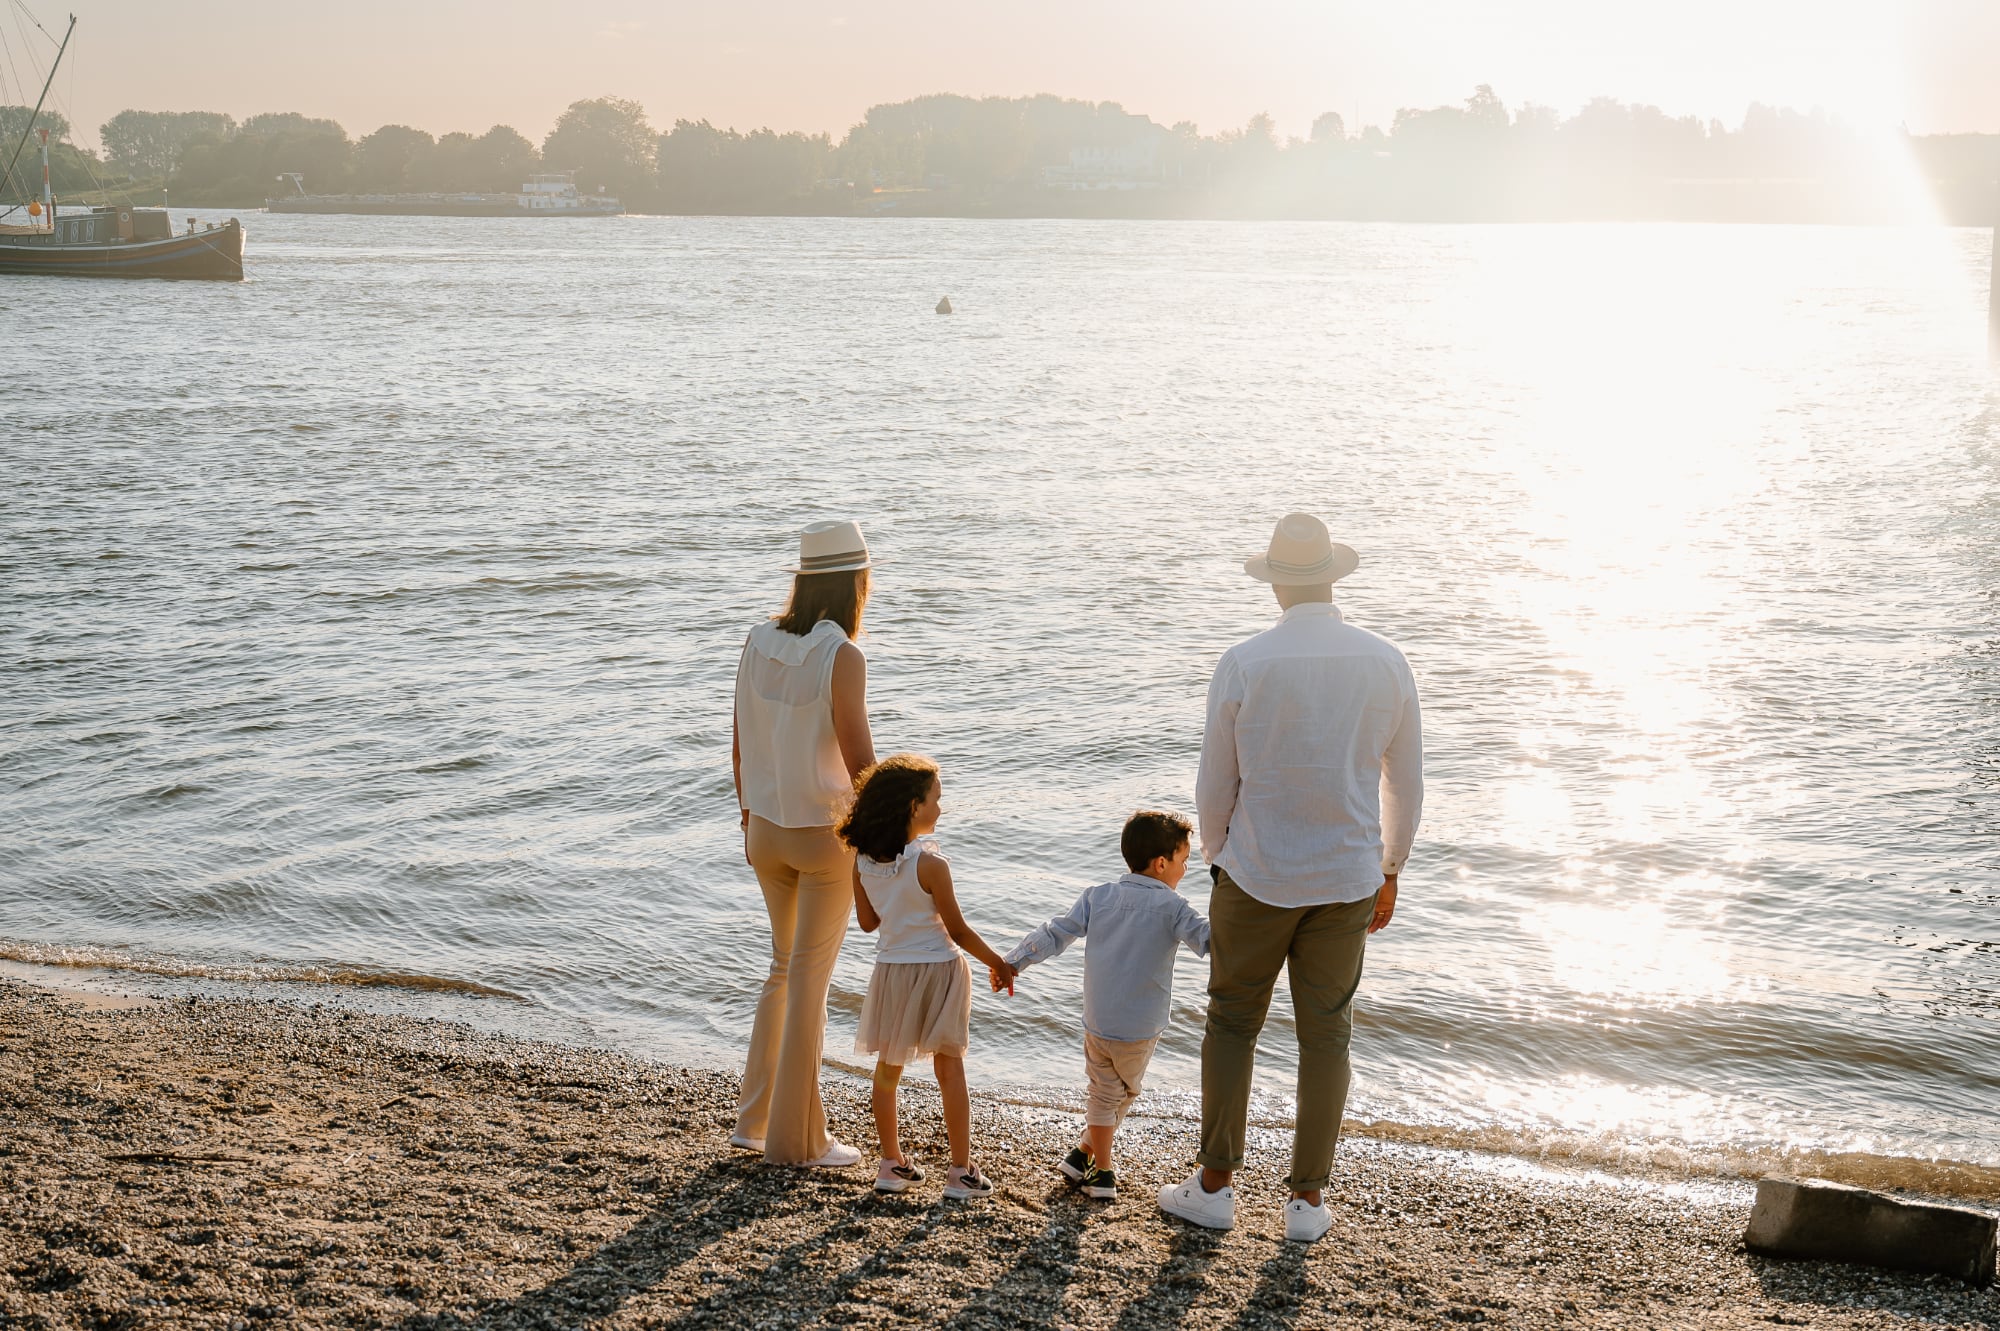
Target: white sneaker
point(743, 1143)
point(1306, 1223)
point(1210, 1210)
point(839, 1155)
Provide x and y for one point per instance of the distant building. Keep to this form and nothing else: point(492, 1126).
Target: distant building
point(1131, 166)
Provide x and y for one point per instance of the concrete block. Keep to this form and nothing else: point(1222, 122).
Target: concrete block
point(1832, 1222)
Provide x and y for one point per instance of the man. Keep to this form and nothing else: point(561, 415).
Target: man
point(1310, 788)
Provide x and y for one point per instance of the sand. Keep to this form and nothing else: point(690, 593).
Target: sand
point(233, 1164)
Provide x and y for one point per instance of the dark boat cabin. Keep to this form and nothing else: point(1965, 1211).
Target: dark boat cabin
point(105, 226)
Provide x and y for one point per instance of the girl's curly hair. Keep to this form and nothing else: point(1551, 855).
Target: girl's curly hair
point(885, 798)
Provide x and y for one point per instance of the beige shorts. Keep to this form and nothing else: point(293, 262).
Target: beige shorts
point(1116, 1069)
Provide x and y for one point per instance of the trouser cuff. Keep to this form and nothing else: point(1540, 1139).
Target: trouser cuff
point(1223, 1163)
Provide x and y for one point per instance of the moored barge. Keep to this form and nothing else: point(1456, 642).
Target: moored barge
point(552, 195)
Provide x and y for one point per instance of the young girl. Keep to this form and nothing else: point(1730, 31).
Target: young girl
point(919, 1000)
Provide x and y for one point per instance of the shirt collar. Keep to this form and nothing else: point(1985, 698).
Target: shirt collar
point(1311, 609)
point(1141, 880)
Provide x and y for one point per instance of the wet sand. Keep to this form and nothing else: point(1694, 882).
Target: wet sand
point(244, 1165)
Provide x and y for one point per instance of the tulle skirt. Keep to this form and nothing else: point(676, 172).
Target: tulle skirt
point(915, 1009)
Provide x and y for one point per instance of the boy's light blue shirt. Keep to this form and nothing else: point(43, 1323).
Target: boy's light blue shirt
point(1134, 925)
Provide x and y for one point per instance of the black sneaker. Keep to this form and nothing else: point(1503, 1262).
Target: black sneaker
point(1101, 1184)
point(1076, 1166)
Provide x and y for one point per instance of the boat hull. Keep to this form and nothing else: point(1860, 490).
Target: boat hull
point(215, 255)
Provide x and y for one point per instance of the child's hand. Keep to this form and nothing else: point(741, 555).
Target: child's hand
point(1002, 976)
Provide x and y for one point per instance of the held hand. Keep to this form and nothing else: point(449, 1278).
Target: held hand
point(1385, 905)
point(1002, 977)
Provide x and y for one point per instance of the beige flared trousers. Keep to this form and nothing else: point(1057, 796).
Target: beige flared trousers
point(807, 874)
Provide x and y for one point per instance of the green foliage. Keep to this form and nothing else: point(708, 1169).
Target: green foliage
point(950, 154)
point(14, 119)
point(501, 159)
point(274, 123)
point(706, 170)
point(242, 163)
point(395, 159)
point(609, 145)
point(71, 170)
point(148, 145)
point(244, 167)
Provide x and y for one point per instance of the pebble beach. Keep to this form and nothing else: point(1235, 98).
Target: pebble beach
point(233, 1164)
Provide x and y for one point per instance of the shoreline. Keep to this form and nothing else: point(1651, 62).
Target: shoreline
point(241, 1163)
point(99, 980)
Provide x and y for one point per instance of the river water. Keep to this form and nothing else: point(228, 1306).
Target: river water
point(373, 622)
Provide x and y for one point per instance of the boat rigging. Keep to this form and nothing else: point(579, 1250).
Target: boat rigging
point(104, 240)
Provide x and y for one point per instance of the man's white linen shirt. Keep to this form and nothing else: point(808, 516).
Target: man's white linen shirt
point(1312, 776)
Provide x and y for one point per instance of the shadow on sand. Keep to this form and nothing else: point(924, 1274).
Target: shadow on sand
point(712, 1204)
point(1030, 1292)
point(1809, 1287)
point(815, 1275)
point(1181, 1279)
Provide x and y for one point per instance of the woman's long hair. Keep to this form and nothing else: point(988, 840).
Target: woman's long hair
point(840, 597)
point(885, 798)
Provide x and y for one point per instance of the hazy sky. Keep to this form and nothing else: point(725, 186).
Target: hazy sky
point(467, 64)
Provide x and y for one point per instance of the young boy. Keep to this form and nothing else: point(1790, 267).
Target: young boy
point(1134, 925)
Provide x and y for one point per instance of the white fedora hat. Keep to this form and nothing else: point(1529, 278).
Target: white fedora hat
point(1302, 555)
point(832, 547)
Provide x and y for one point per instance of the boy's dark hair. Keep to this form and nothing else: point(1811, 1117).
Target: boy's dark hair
point(885, 797)
point(1150, 835)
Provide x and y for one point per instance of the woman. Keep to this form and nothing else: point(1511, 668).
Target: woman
point(801, 737)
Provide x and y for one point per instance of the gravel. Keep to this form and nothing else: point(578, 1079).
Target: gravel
point(249, 1165)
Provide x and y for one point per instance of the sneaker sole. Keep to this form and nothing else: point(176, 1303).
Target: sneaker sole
point(1102, 1194)
point(1202, 1221)
point(1071, 1172)
point(885, 1185)
point(966, 1194)
point(824, 1163)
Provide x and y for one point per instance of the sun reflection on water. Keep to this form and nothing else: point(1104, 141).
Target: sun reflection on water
point(1636, 951)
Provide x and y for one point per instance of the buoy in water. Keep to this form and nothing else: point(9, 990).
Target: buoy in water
point(944, 306)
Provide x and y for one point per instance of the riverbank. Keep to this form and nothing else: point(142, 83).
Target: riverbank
point(230, 1164)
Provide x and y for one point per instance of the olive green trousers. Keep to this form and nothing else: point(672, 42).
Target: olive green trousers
point(1321, 947)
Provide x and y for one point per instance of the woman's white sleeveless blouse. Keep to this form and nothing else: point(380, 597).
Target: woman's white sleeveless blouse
point(793, 774)
point(912, 930)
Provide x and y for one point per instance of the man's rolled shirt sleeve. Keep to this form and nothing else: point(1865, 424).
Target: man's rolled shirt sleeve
point(1402, 789)
point(1218, 780)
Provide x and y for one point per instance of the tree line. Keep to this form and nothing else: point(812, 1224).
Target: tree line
point(1478, 159)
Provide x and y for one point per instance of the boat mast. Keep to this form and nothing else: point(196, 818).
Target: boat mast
point(37, 112)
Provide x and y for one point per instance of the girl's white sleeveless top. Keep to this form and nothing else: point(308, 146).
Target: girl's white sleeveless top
point(792, 770)
point(912, 929)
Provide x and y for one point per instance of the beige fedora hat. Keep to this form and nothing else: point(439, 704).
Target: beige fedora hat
point(832, 547)
point(1302, 555)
